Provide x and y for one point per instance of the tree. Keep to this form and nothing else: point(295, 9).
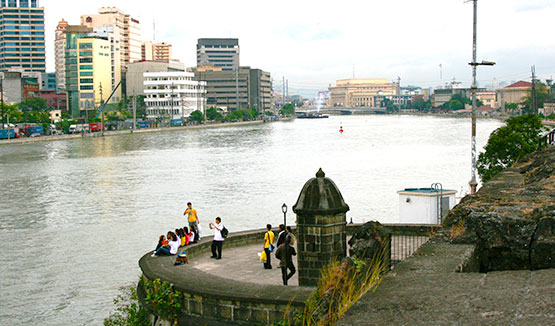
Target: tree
point(509, 144)
point(213, 114)
point(33, 104)
point(196, 116)
point(287, 109)
point(542, 94)
point(511, 107)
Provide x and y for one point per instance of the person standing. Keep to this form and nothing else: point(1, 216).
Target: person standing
point(291, 236)
point(218, 238)
point(192, 216)
point(281, 235)
point(285, 254)
point(268, 241)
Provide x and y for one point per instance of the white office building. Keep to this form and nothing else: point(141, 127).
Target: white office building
point(173, 94)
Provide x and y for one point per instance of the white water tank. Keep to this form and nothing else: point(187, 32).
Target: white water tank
point(424, 205)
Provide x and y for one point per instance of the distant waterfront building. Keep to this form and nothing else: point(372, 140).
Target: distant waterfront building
point(95, 79)
point(135, 73)
point(172, 95)
point(59, 54)
point(246, 88)
point(488, 98)
point(156, 51)
point(108, 33)
point(218, 52)
point(513, 93)
point(22, 35)
point(126, 28)
point(443, 95)
point(357, 92)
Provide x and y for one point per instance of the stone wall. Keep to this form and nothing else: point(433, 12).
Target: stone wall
point(213, 300)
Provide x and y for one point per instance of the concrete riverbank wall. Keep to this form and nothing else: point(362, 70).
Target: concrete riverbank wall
point(216, 300)
point(27, 140)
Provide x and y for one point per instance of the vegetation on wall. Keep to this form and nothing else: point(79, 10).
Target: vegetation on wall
point(509, 144)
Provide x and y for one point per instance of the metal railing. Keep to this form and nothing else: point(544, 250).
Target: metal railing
point(404, 246)
point(547, 138)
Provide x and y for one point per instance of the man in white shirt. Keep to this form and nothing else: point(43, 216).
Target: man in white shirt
point(218, 238)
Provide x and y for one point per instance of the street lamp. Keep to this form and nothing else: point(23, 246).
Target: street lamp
point(473, 182)
point(284, 210)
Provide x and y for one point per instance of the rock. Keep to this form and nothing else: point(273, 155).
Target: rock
point(368, 239)
point(512, 218)
point(543, 242)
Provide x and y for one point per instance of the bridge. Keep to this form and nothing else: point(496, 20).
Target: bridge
point(341, 110)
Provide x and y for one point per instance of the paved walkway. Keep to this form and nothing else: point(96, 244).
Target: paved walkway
point(242, 264)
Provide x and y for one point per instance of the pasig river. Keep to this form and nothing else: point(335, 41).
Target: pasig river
point(76, 215)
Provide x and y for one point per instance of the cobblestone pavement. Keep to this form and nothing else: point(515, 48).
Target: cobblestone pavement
point(242, 264)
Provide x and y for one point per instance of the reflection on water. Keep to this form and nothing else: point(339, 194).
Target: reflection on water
point(76, 215)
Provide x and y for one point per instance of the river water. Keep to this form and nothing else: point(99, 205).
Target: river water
point(76, 215)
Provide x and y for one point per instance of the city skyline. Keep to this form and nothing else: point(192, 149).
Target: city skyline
point(313, 44)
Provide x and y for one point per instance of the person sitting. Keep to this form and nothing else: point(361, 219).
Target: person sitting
point(183, 237)
point(161, 241)
point(178, 236)
point(170, 248)
point(186, 235)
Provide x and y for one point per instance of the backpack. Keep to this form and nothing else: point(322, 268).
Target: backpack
point(224, 232)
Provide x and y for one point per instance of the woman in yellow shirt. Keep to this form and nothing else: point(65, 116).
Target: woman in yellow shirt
point(268, 241)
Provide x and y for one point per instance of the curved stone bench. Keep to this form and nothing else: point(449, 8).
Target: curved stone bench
point(211, 298)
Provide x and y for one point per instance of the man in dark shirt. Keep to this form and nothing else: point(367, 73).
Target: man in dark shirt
point(285, 254)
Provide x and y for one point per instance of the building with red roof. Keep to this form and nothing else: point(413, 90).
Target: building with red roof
point(513, 93)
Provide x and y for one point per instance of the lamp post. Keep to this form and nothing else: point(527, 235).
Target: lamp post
point(284, 210)
point(473, 182)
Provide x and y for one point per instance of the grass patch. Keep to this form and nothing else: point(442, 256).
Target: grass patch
point(342, 283)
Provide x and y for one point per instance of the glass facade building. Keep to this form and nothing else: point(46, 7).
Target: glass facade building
point(22, 42)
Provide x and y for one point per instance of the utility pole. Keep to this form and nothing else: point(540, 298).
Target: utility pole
point(237, 88)
point(102, 113)
point(440, 74)
point(2, 100)
point(534, 103)
point(134, 113)
point(473, 182)
point(283, 90)
point(399, 93)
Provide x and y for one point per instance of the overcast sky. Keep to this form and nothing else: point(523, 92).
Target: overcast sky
point(314, 43)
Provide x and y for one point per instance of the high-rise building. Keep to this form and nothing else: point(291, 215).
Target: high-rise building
point(73, 34)
point(156, 51)
point(108, 32)
point(22, 35)
point(59, 53)
point(126, 29)
point(218, 52)
point(94, 79)
point(232, 90)
point(172, 95)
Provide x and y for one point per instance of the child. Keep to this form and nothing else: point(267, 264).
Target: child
point(187, 235)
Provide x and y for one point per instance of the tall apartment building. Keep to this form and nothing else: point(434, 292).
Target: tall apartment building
point(108, 33)
point(22, 35)
point(156, 51)
point(247, 88)
point(73, 33)
point(218, 52)
point(360, 92)
point(94, 79)
point(172, 95)
point(59, 54)
point(127, 31)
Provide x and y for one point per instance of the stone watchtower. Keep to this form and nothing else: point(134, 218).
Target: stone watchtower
point(321, 224)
